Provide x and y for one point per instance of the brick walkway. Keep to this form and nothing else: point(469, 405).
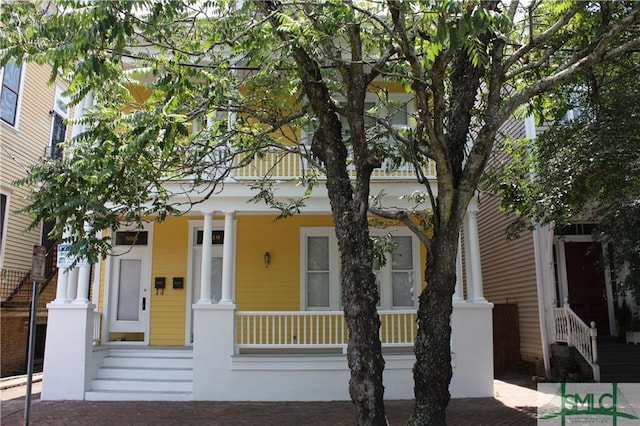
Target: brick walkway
point(514, 405)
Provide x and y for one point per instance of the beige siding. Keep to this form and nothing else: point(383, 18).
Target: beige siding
point(508, 266)
point(23, 146)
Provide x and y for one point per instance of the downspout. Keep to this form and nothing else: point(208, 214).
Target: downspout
point(530, 132)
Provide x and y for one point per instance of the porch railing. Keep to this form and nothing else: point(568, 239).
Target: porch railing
point(570, 329)
point(282, 165)
point(97, 327)
point(313, 329)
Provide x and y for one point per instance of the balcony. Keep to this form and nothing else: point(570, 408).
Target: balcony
point(287, 166)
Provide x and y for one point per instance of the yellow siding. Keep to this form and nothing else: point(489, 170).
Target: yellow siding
point(23, 146)
point(278, 286)
point(258, 288)
point(170, 254)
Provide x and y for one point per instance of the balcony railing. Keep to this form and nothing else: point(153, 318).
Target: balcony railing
point(280, 165)
point(16, 284)
point(313, 329)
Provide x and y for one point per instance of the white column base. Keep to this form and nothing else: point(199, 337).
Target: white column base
point(472, 346)
point(213, 346)
point(68, 351)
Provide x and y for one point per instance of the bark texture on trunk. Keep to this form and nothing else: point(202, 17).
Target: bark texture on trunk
point(359, 291)
point(432, 371)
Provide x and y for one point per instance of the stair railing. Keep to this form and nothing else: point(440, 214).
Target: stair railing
point(570, 329)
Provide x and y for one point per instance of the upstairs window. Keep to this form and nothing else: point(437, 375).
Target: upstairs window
point(10, 89)
point(58, 127)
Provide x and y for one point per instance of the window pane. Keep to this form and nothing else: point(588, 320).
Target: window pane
point(369, 121)
point(399, 115)
point(129, 290)
point(402, 257)
point(402, 288)
point(11, 77)
point(216, 278)
point(318, 253)
point(8, 104)
point(318, 289)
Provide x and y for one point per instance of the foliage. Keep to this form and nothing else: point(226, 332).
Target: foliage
point(258, 73)
point(587, 167)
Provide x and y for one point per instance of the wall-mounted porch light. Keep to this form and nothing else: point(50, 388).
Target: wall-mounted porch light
point(267, 259)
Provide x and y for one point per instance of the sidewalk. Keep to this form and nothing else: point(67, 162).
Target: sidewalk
point(14, 381)
point(514, 404)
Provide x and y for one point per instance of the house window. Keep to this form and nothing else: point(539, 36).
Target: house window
point(397, 111)
point(397, 279)
point(58, 127)
point(4, 201)
point(318, 272)
point(10, 90)
point(320, 269)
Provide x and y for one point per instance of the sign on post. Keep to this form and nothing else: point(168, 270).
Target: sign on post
point(66, 259)
point(39, 264)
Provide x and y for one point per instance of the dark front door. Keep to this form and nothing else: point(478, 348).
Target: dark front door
point(586, 283)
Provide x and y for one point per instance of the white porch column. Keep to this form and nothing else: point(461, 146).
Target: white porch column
point(468, 270)
point(227, 259)
point(205, 271)
point(72, 283)
point(458, 295)
point(61, 289)
point(473, 243)
point(84, 271)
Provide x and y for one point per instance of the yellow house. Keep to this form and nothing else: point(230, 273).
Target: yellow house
point(225, 302)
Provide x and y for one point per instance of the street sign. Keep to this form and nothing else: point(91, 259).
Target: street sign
point(39, 264)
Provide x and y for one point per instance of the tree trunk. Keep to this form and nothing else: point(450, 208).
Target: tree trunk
point(359, 290)
point(359, 293)
point(432, 371)
point(360, 296)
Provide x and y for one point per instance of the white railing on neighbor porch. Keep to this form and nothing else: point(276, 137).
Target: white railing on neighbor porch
point(569, 328)
point(97, 326)
point(314, 329)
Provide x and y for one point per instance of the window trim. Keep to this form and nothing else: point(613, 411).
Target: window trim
point(386, 291)
point(334, 266)
point(386, 288)
point(19, 94)
point(5, 224)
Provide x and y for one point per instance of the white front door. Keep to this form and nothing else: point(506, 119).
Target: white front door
point(130, 277)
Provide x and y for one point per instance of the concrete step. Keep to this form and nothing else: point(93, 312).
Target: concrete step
point(115, 373)
point(137, 396)
point(122, 361)
point(147, 385)
point(144, 375)
point(151, 353)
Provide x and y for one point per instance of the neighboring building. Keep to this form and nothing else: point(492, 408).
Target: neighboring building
point(536, 273)
point(32, 117)
point(265, 322)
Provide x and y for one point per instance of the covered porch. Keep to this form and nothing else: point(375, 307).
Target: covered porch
point(233, 351)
